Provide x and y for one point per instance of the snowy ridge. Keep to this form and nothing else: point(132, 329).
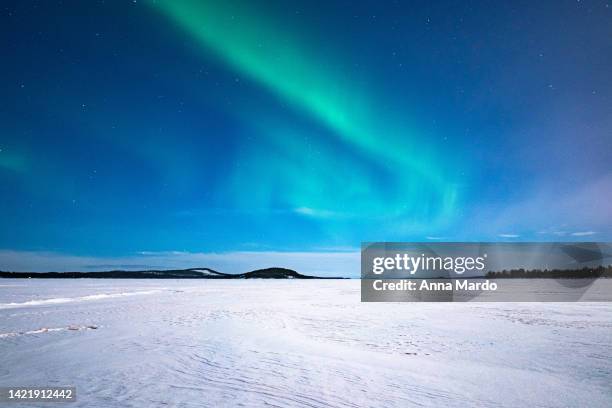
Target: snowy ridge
point(55, 301)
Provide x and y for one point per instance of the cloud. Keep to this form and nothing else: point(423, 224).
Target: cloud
point(583, 233)
point(323, 263)
point(565, 233)
point(435, 238)
point(312, 212)
point(508, 235)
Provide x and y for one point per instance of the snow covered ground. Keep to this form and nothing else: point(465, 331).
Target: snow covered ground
point(211, 343)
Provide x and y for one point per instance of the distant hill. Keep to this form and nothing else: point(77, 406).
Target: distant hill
point(193, 273)
point(274, 273)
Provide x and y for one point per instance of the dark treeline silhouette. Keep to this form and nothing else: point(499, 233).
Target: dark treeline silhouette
point(597, 272)
point(193, 273)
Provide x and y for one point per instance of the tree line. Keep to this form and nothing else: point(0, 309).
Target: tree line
point(597, 272)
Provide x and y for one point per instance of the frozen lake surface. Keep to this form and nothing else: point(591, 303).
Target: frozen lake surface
point(297, 343)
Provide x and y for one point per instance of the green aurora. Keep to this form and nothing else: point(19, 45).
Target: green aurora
point(315, 178)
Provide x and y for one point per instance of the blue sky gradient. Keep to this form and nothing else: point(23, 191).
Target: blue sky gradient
point(183, 127)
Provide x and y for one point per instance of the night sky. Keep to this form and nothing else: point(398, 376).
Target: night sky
point(135, 133)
